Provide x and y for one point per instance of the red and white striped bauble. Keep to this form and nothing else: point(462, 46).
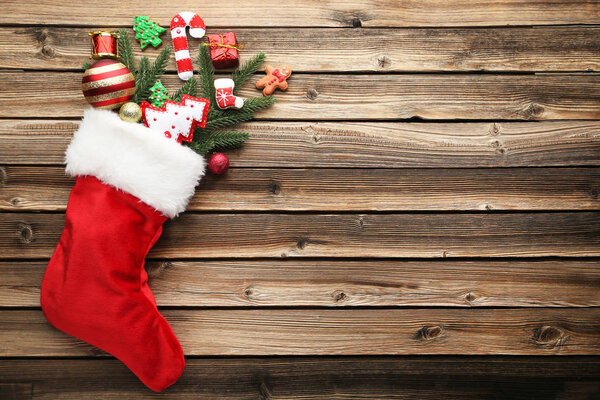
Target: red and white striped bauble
point(185, 70)
point(108, 84)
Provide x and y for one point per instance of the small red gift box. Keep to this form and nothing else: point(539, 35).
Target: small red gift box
point(224, 50)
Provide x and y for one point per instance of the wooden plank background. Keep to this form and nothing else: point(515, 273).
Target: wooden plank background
point(418, 216)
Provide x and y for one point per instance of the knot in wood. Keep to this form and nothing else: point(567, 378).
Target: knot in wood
point(495, 130)
point(312, 93)
point(308, 129)
point(248, 292)
point(25, 233)
point(549, 336)
point(301, 243)
point(15, 201)
point(275, 187)
point(94, 351)
point(360, 222)
point(48, 51)
point(430, 332)
point(534, 111)
point(264, 391)
point(41, 35)
point(384, 62)
point(164, 266)
point(155, 270)
point(470, 297)
point(339, 296)
point(356, 22)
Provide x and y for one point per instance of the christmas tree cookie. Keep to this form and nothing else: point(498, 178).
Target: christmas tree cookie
point(147, 31)
point(158, 94)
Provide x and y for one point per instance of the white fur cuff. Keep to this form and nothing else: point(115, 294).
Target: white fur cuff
point(135, 159)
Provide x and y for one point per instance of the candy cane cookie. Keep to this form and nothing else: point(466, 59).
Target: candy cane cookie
point(185, 70)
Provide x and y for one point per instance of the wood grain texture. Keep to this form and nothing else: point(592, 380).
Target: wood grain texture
point(16, 391)
point(338, 378)
point(352, 97)
point(287, 283)
point(366, 145)
point(339, 49)
point(267, 13)
point(360, 240)
point(516, 331)
point(346, 235)
point(25, 188)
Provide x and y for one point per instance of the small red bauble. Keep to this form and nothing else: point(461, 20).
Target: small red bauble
point(218, 163)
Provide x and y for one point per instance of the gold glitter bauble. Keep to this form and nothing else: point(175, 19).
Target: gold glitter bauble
point(130, 112)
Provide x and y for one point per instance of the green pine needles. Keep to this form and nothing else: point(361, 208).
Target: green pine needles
point(145, 74)
point(216, 136)
point(189, 88)
point(242, 74)
point(126, 50)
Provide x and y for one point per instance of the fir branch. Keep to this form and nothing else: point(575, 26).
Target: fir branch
point(254, 104)
point(202, 146)
point(147, 74)
point(217, 119)
point(224, 118)
point(189, 88)
point(143, 81)
point(159, 66)
point(218, 141)
point(207, 74)
point(126, 50)
point(243, 73)
point(86, 65)
point(224, 140)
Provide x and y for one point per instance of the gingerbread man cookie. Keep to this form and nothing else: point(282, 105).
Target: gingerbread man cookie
point(275, 79)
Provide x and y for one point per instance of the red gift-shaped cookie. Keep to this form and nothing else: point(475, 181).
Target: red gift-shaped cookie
point(224, 50)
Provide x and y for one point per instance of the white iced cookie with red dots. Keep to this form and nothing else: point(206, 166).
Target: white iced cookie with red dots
point(176, 121)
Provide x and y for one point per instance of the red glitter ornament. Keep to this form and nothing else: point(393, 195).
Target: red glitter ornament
point(218, 163)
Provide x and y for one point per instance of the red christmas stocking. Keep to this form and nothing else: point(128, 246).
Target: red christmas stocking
point(224, 94)
point(130, 179)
